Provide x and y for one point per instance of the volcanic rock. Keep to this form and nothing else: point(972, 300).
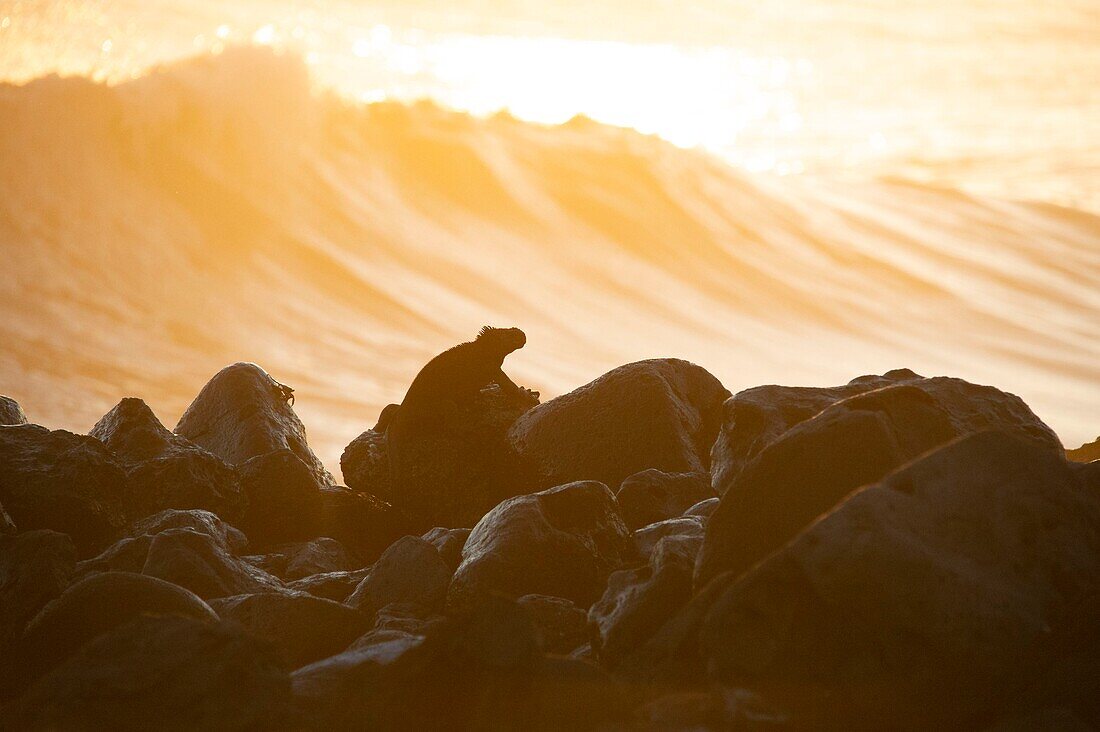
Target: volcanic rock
point(197, 562)
point(162, 672)
point(653, 495)
point(1086, 453)
point(243, 413)
point(336, 586)
point(303, 559)
point(561, 626)
point(10, 412)
point(662, 413)
point(689, 528)
point(411, 570)
point(362, 523)
point(284, 502)
point(303, 629)
point(64, 482)
point(918, 600)
point(449, 543)
point(561, 542)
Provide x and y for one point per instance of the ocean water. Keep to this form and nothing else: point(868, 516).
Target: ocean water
point(796, 192)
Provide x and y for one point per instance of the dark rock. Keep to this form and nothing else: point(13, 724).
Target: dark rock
point(653, 495)
point(754, 418)
point(10, 412)
point(125, 555)
point(64, 482)
point(196, 561)
point(688, 527)
point(561, 626)
point(228, 538)
point(303, 559)
point(662, 413)
point(162, 672)
point(480, 670)
point(407, 617)
point(562, 542)
point(7, 526)
point(284, 502)
point(703, 509)
point(718, 709)
point(411, 570)
point(854, 442)
point(94, 606)
point(35, 567)
point(918, 600)
point(448, 471)
point(1086, 453)
point(303, 629)
point(637, 602)
point(336, 586)
point(364, 524)
point(365, 462)
point(449, 543)
point(243, 413)
point(134, 434)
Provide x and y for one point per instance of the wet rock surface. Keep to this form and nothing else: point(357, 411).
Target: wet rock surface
point(10, 412)
point(899, 552)
point(662, 413)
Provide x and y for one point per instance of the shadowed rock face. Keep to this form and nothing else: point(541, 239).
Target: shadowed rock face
point(662, 413)
point(449, 471)
point(158, 671)
point(1086, 453)
point(653, 495)
point(165, 470)
point(919, 600)
point(96, 605)
point(411, 570)
point(242, 413)
point(811, 467)
point(10, 412)
point(196, 561)
point(561, 542)
point(65, 482)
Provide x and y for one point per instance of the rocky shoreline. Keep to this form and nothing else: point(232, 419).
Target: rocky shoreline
point(645, 552)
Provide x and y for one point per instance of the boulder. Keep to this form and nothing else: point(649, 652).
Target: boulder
point(134, 434)
point(411, 570)
point(303, 559)
point(10, 412)
point(64, 482)
point(919, 600)
point(196, 561)
point(654, 495)
point(125, 555)
point(362, 523)
point(448, 471)
point(303, 629)
point(561, 542)
point(449, 543)
point(336, 586)
point(283, 499)
point(754, 418)
point(162, 672)
point(637, 602)
point(35, 567)
point(1086, 453)
point(7, 525)
point(94, 606)
point(225, 536)
point(704, 509)
point(851, 443)
point(365, 462)
point(243, 413)
point(406, 617)
point(689, 528)
point(560, 626)
point(662, 413)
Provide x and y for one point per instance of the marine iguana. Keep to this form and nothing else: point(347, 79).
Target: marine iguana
point(456, 376)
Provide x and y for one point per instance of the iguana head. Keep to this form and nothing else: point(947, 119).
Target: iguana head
point(502, 340)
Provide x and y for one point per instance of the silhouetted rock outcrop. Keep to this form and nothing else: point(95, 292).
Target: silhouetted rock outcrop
point(166, 470)
point(65, 482)
point(154, 672)
point(303, 559)
point(197, 562)
point(411, 570)
point(303, 629)
point(243, 413)
point(931, 587)
point(662, 413)
point(284, 501)
point(364, 524)
point(561, 542)
point(1086, 453)
point(10, 412)
point(94, 606)
point(855, 441)
point(450, 472)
